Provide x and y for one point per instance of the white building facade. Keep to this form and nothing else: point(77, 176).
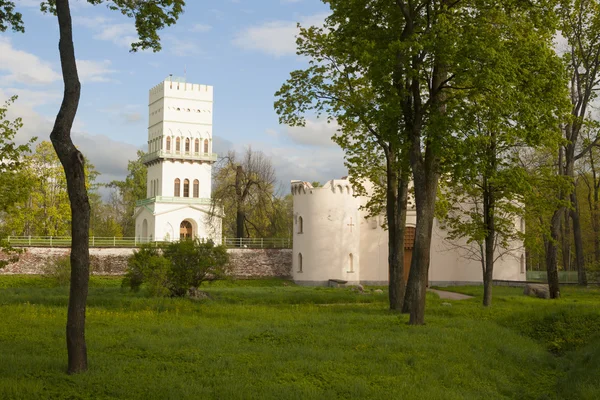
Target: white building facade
point(179, 161)
point(334, 239)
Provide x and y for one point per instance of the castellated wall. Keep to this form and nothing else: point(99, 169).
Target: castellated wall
point(244, 263)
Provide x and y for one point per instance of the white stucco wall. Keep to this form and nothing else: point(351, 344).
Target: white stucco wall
point(326, 242)
point(178, 110)
point(327, 239)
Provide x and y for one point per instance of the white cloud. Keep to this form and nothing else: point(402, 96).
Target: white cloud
point(121, 34)
point(109, 156)
point(23, 67)
point(276, 38)
point(94, 71)
point(200, 28)
point(314, 133)
point(180, 47)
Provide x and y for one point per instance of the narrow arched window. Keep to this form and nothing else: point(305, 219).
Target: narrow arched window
point(177, 188)
point(186, 188)
point(187, 145)
point(522, 263)
point(196, 188)
point(350, 263)
point(168, 143)
point(300, 225)
point(299, 262)
point(178, 145)
point(197, 146)
point(206, 145)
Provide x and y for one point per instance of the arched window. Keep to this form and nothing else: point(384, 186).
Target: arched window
point(340, 189)
point(522, 263)
point(196, 188)
point(206, 145)
point(300, 225)
point(522, 225)
point(178, 145)
point(177, 189)
point(197, 146)
point(299, 262)
point(168, 143)
point(186, 188)
point(187, 145)
point(350, 263)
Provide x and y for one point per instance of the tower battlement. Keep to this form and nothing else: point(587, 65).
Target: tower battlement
point(334, 186)
point(177, 87)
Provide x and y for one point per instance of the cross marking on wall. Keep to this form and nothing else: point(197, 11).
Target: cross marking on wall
point(350, 224)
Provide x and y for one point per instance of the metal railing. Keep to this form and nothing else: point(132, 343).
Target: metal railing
point(95, 241)
point(180, 155)
point(168, 199)
point(258, 243)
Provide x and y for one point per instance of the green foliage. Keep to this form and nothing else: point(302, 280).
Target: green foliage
point(244, 188)
point(560, 330)
point(177, 267)
point(9, 17)
point(126, 193)
point(42, 208)
point(150, 17)
point(148, 265)
point(193, 262)
point(58, 270)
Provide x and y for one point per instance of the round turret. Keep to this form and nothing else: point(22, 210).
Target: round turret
point(326, 232)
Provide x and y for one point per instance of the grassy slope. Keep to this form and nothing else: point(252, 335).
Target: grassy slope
point(266, 340)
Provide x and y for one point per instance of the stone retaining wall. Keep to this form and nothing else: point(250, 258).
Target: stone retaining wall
point(244, 263)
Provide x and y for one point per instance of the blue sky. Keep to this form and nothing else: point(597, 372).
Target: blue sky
point(244, 48)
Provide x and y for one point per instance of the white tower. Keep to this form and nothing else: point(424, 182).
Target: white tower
point(179, 161)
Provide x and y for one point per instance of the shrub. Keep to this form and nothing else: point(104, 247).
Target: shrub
point(177, 267)
point(59, 270)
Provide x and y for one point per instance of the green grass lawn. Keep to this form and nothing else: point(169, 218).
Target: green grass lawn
point(271, 339)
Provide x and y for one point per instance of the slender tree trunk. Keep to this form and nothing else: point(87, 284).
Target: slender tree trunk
point(578, 240)
point(73, 163)
point(552, 256)
point(565, 240)
point(396, 193)
point(240, 214)
point(596, 225)
point(490, 239)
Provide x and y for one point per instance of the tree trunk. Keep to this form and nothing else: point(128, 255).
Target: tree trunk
point(396, 193)
point(578, 239)
point(240, 214)
point(552, 256)
point(425, 185)
point(488, 274)
point(73, 164)
point(565, 240)
point(239, 222)
point(596, 226)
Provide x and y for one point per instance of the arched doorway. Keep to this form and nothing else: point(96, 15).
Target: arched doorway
point(185, 230)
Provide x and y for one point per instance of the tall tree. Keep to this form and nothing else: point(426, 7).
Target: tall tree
point(43, 209)
point(580, 26)
point(244, 187)
point(150, 16)
point(516, 108)
point(335, 84)
point(13, 175)
point(126, 193)
point(418, 60)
